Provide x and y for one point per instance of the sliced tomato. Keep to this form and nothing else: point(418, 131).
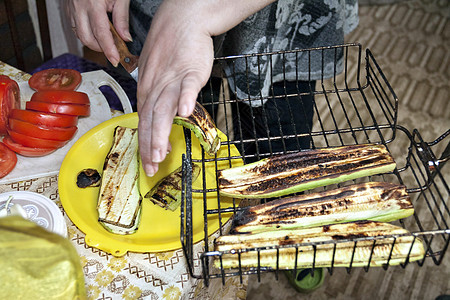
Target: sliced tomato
point(65, 109)
point(69, 97)
point(9, 99)
point(43, 118)
point(55, 79)
point(41, 131)
point(8, 160)
point(34, 142)
point(26, 151)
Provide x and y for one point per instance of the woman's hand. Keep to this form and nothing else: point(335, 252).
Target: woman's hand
point(89, 21)
point(176, 62)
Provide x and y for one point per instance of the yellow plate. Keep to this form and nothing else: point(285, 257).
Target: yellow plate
point(159, 229)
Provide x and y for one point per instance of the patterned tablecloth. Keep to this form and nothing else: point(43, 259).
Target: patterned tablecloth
point(161, 275)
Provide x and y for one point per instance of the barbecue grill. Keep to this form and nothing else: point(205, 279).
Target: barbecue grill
point(357, 105)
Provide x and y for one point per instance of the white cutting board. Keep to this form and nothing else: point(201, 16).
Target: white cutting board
point(35, 167)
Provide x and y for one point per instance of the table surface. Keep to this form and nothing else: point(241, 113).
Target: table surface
point(161, 275)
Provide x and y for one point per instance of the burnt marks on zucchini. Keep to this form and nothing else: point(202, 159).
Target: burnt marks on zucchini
point(287, 240)
point(339, 237)
point(323, 159)
point(223, 181)
point(166, 193)
point(88, 178)
point(114, 157)
point(295, 172)
point(348, 203)
point(199, 115)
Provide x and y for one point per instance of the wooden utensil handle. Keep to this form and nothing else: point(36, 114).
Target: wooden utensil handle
point(127, 60)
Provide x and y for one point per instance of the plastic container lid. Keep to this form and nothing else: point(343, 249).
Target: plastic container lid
point(39, 209)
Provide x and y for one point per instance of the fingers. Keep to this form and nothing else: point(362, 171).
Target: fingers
point(81, 13)
point(164, 111)
point(156, 118)
point(155, 124)
point(102, 34)
point(190, 87)
point(120, 18)
point(86, 32)
point(90, 23)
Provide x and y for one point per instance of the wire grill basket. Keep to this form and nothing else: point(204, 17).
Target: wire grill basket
point(356, 105)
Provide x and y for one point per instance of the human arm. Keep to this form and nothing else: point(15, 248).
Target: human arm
point(176, 62)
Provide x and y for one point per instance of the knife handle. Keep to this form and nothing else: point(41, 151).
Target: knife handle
point(127, 60)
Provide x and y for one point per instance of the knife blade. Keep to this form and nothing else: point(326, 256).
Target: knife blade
point(127, 60)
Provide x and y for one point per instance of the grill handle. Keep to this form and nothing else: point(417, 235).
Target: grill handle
point(433, 164)
point(445, 156)
point(430, 160)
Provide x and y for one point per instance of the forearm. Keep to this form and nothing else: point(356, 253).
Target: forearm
point(213, 16)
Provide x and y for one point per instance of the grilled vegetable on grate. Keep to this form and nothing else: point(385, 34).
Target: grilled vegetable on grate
point(167, 192)
point(204, 128)
point(365, 252)
point(375, 201)
point(290, 173)
point(119, 202)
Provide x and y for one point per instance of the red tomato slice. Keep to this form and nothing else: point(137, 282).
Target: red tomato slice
point(26, 151)
point(9, 99)
point(69, 97)
point(65, 109)
point(8, 160)
point(41, 131)
point(34, 142)
point(43, 118)
point(55, 79)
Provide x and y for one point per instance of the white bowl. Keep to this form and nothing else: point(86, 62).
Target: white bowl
point(39, 209)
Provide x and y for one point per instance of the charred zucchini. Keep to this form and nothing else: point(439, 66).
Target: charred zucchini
point(204, 128)
point(167, 192)
point(119, 202)
point(375, 201)
point(296, 172)
point(335, 245)
point(88, 178)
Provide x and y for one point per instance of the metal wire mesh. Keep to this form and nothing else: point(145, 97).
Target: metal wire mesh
point(356, 105)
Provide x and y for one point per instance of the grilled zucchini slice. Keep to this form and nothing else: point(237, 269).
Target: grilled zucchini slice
point(119, 201)
point(375, 201)
point(204, 128)
point(335, 245)
point(290, 173)
point(167, 192)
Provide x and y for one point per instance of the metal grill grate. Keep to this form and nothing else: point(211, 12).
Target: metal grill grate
point(356, 105)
